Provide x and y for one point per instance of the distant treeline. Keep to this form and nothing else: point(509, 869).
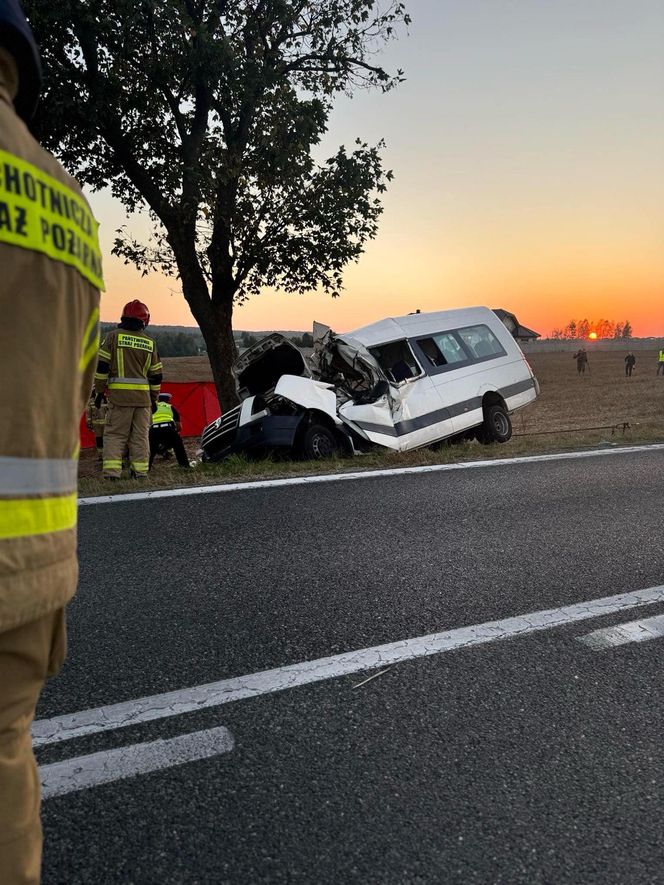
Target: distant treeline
point(171, 343)
point(191, 342)
point(599, 329)
point(247, 339)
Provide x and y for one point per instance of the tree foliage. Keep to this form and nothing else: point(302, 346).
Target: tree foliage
point(207, 113)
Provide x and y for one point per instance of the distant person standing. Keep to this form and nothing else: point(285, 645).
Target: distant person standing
point(581, 358)
point(630, 362)
point(660, 361)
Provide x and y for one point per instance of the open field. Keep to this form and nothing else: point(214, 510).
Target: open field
point(603, 407)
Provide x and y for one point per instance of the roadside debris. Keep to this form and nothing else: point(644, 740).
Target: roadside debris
point(374, 676)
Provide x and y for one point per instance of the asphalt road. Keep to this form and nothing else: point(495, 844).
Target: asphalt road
point(531, 760)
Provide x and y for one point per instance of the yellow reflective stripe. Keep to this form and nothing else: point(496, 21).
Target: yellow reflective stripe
point(43, 215)
point(101, 376)
point(115, 385)
point(88, 356)
point(120, 358)
point(104, 354)
point(140, 466)
point(89, 347)
point(23, 517)
point(112, 465)
point(156, 368)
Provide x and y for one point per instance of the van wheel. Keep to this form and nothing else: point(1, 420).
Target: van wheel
point(319, 442)
point(497, 425)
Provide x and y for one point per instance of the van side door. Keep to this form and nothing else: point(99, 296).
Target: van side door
point(416, 416)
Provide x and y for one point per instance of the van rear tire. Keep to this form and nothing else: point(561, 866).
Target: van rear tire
point(496, 427)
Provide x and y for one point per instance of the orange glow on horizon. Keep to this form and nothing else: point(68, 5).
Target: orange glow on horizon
point(592, 336)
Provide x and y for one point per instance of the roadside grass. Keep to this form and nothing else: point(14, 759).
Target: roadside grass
point(238, 468)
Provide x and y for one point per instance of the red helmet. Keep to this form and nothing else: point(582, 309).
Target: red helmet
point(137, 310)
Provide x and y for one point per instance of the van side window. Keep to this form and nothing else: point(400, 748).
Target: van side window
point(481, 342)
point(443, 349)
point(397, 360)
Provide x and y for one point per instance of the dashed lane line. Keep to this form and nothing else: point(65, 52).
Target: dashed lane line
point(214, 694)
point(83, 772)
point(622, 634)
point(364, 474)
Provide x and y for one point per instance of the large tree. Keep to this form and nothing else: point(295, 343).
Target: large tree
point(206, 112)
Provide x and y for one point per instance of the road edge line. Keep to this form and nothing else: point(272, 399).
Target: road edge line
point(363, 474)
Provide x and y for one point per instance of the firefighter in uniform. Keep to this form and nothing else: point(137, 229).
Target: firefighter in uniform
point(49, 301)
point(129, 367)
point(165, 431)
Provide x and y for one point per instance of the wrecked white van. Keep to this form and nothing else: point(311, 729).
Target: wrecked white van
point(401, 383)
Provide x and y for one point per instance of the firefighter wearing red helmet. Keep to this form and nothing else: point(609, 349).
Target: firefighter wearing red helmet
point(129, 369)
point(49, 297)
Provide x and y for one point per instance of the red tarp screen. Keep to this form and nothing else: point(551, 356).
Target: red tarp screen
point(195, 401)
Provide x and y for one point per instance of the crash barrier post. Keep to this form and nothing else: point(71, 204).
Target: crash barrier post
point(196, 401)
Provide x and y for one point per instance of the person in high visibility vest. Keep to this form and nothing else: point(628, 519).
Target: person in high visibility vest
point(165, 431)
point(660, 361)
point(130, 368)
point(49, 300)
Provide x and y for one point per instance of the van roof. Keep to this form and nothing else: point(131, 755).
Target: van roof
point(394, 328)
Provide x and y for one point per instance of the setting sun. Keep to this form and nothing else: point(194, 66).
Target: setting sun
point(592, 336)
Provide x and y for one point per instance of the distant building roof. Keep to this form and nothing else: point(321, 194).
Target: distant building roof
point(511, 323)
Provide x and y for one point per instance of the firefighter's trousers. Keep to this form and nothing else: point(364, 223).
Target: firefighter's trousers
point(127, 427)
point(28, 655)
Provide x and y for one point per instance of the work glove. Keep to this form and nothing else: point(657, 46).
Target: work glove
point(99, 400)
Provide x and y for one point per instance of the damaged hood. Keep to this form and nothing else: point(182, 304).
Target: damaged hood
point(259, 368)
point(348, 365)
point(340, 361)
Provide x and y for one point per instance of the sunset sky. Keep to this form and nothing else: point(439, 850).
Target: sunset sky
point(528, 150)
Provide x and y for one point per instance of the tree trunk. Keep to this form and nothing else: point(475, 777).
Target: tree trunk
point(217, 331)
point(215, 320)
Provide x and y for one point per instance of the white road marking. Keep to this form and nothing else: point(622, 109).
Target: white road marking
point(622, 634)
point(364, 474)
point(214, 694)
point(83, 772)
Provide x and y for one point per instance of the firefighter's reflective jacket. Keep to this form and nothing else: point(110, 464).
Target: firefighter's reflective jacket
point(49, 296)
point(129, 368)
point(164, 414)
